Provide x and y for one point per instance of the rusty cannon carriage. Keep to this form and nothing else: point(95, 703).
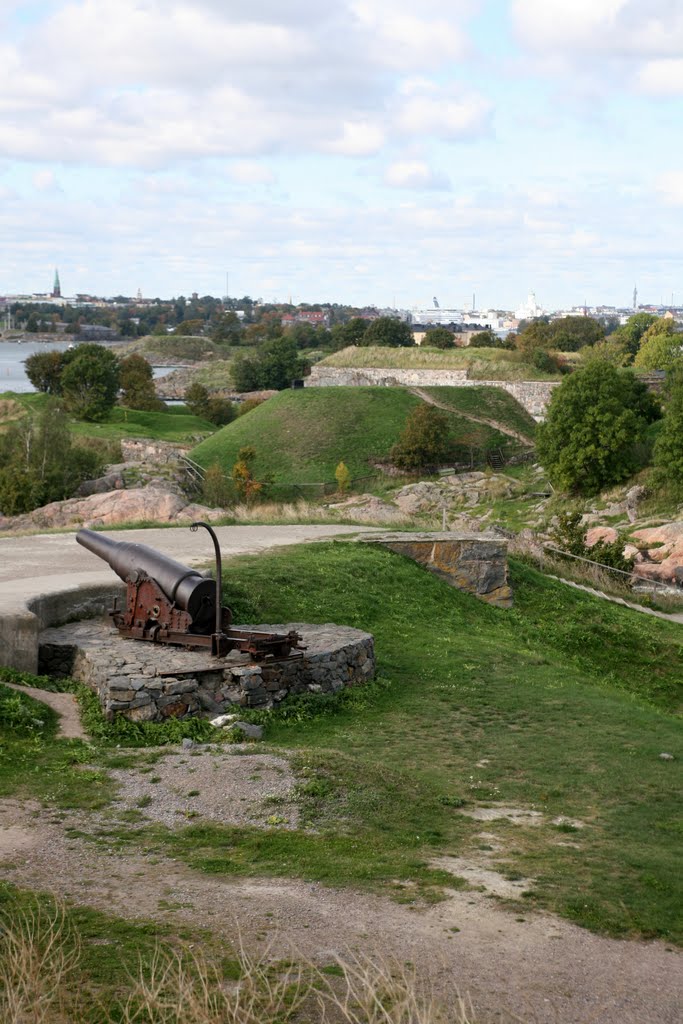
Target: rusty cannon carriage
point(170, 603)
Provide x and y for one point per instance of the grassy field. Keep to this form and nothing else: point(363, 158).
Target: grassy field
point(490, 403)
point(481, 363)
point(300, 436)
point(174, 424)
point(562, 705)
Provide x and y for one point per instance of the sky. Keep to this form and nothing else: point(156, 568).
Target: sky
point(358, 151)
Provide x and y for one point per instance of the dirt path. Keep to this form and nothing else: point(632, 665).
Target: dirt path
point(64, 704)
point(501, 427)
point(536, 968)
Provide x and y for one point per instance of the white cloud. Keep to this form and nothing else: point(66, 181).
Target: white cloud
point(662, 77)
point(670, 187)
point(357, 138)
point(125, 82)
point(415, 174)
point(46, 181)
point(251, 172)
point(638, 40)
point(445, 113)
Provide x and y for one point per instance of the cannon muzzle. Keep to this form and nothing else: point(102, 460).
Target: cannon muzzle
point(185, 587)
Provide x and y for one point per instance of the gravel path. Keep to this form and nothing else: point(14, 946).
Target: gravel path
point(537, 968)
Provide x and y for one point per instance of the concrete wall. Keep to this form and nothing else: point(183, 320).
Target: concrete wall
point(533, 395)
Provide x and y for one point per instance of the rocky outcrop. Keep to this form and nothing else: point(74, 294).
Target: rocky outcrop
point(150, 504)
point(600, 533)
point(660, 552)
point(366, 508)
point(461, 490)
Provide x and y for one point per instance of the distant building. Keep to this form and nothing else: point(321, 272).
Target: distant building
point(97, 332)
point(529, 310)
point(443, 317)
point(316, 318)
point(56, 287)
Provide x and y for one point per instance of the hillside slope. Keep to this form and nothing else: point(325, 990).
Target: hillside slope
point(301, 436)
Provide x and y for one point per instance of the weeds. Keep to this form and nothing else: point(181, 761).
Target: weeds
point(45, 978)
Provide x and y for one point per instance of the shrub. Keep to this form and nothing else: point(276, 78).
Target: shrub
point(439, 337)
point(137, 384)
point(343, 477)
point(216, 488)
point(424, 441)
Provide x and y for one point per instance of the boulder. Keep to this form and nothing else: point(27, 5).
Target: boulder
point(661, 552)
point(154, 504)
point(601, 533)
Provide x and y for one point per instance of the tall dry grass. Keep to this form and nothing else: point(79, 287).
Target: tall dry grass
point(39, 958)
point(42, 979)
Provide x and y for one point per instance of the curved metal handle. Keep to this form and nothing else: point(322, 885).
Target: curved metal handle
point(219, 573)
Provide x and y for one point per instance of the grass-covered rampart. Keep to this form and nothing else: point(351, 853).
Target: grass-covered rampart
point(481, 363)
point(301, 436)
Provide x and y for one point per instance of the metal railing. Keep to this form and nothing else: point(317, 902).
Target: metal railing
point(668, 589)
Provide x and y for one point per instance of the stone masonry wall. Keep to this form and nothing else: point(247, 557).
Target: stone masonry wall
point(478, 565)
point(533, 395)
point(150, 682)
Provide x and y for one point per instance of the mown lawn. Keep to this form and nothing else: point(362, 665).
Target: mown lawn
point(301, 436)
point(491, 403)
point(175, 423)
point(562, 705)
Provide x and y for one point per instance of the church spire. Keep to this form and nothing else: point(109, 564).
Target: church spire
point(56, 288)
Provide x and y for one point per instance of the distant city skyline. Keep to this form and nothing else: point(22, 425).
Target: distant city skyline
point(362, 149)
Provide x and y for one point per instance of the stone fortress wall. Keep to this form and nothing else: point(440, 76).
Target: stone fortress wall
point(534, 395)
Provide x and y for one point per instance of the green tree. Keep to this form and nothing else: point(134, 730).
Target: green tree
point(44, 370)
point(39, 463)
point(350, 333)
point(570, 333)
point(276, 365)
point(189, 327)
point(136, 380)
point(424, 441)
point(439, 337)
point(90, 382)
point(661, 347)
point(486, 339)
point(668, 450)
point(386, 331)
point(227, 329)
point(630, 334)
point(197, 399)
point(594, 425)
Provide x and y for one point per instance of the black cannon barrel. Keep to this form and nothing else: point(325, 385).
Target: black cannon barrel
point(187, 587)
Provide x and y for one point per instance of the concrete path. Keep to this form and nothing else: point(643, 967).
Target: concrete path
point(47, 579)
point(56, 554)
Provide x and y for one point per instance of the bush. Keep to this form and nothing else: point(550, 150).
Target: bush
point(424, 441)
point(216, 488)
point(439, 337)
point(570, 536)
point(387, 331)
point(343, 478)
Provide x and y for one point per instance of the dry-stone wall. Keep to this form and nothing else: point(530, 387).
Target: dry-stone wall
point(532, 394)
point(148, 682)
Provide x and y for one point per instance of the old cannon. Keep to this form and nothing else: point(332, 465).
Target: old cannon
point(169, 603)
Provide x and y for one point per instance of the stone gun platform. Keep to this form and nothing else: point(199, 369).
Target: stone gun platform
point(148, 682)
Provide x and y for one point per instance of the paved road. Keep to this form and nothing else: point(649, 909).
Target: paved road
point(57, 554)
